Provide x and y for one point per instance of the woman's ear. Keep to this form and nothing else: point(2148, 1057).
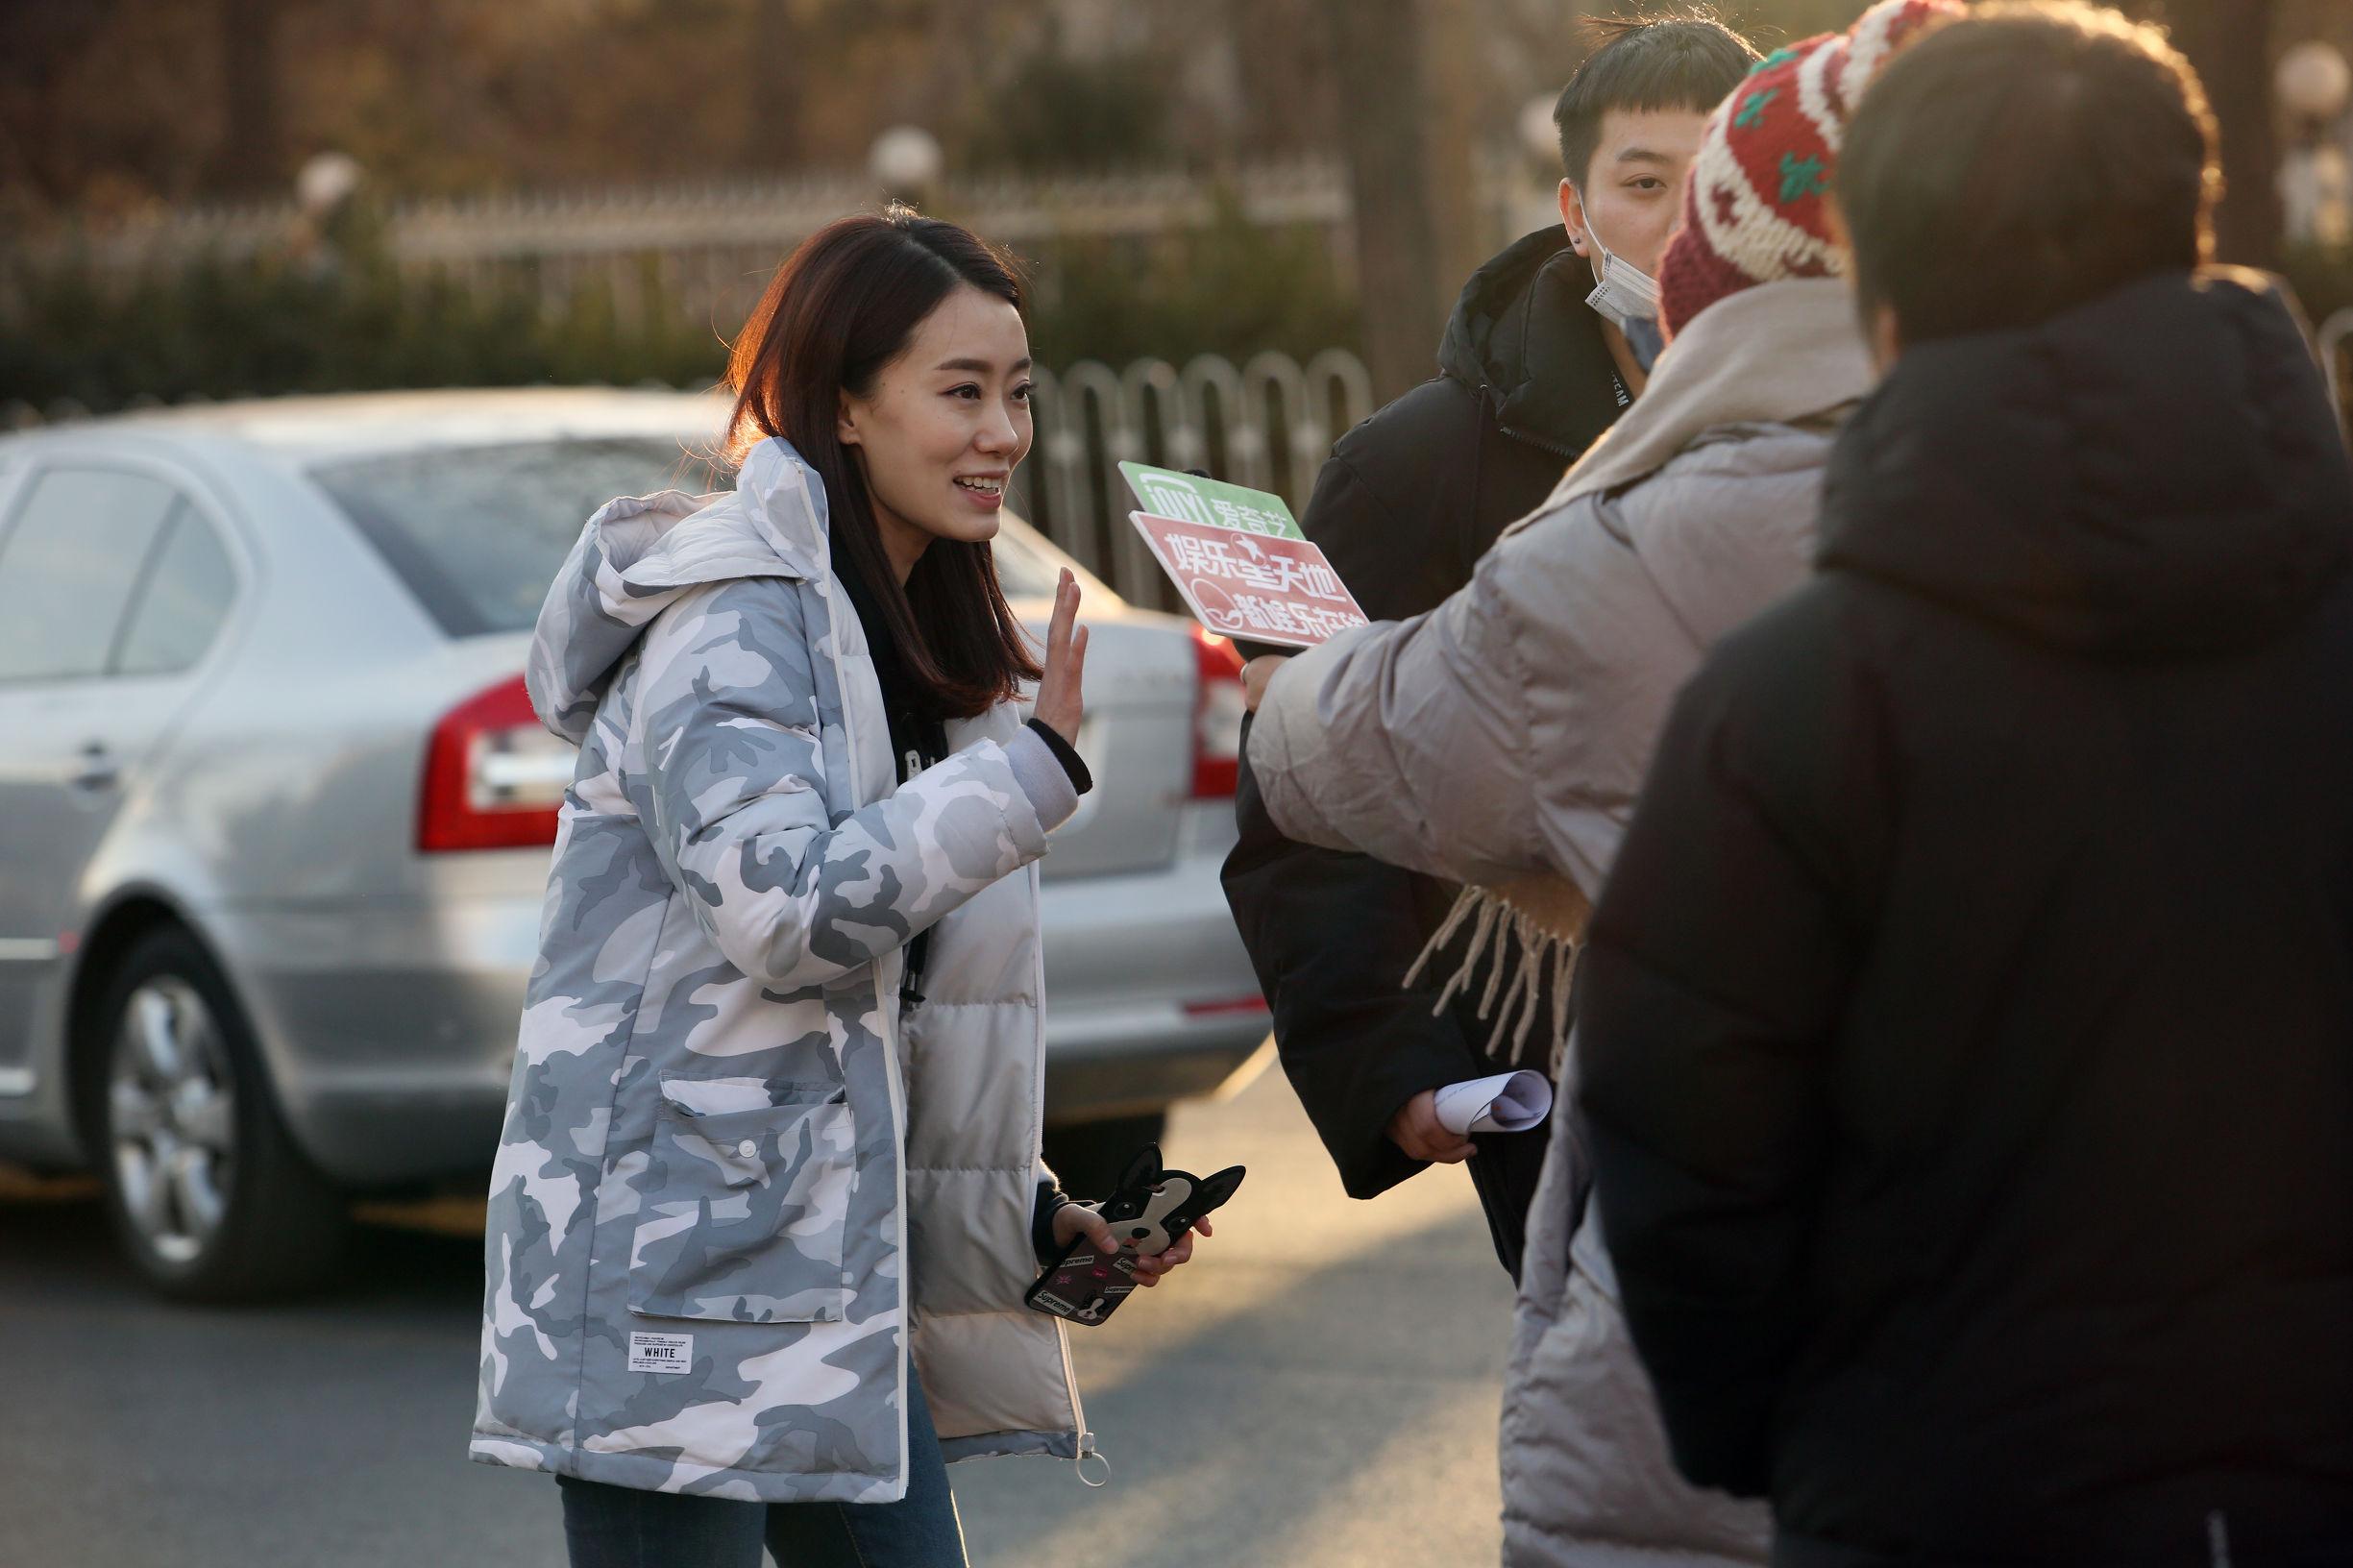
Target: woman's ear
point(845, 422)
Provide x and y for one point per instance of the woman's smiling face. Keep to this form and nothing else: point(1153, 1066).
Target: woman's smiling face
point(939, 433)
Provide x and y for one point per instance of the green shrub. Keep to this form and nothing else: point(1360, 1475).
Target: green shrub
point(1231, 288)
point(219, 328)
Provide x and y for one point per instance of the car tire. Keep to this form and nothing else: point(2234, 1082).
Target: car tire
point(1091, 1156)
point(208, 1194)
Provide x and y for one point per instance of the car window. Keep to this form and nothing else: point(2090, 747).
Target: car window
point(182, 602)
point(477, 533)
point(69, 562)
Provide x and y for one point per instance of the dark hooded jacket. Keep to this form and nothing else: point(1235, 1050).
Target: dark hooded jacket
point(1966, 1039)
point(1408, 502)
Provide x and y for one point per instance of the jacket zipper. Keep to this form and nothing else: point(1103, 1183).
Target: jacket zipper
point(1559, 448)
point(1037, 1102)
point(886, 1008)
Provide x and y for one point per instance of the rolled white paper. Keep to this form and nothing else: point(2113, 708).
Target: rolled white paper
point(1509, 1102)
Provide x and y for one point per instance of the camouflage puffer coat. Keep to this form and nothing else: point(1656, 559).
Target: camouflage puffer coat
point(725, 1160)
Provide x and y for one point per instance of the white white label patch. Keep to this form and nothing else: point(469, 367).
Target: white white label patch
point(661, 1352)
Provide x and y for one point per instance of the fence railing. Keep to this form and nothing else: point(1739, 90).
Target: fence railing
point(1267, 423)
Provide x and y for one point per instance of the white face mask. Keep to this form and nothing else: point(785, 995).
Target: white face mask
point(1625, 293)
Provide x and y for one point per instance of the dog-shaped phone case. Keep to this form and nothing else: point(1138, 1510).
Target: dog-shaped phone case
point(1149, 1212)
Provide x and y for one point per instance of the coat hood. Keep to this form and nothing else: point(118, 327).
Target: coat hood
point(1523, 334)
point(2154, 473)
point(639, 552)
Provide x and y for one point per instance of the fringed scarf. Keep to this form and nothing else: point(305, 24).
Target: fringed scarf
point(1544, 917)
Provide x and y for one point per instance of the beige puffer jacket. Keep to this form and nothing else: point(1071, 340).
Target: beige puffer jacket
point(1504, 737)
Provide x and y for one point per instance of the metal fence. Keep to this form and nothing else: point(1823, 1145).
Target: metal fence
point(706, 249)
point(1268, 424)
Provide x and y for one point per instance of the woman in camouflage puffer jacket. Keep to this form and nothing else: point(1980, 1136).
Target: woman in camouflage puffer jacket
point(747, 1173)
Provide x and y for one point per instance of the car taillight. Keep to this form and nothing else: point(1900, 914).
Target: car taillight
point(493, 775)
point(1217, 718)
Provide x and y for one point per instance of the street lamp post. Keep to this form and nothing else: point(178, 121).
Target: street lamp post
point(1538, 204)
point(325, 190)
point(2316, 180)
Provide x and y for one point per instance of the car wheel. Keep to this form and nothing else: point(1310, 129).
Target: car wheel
point(1091, 1156)
point(208, 1194)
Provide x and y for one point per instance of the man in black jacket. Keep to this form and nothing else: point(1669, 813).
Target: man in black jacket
point(1966, 1046)
point(1530, 375)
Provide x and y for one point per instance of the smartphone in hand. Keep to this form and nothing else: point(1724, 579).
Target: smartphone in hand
point(1150, 1212)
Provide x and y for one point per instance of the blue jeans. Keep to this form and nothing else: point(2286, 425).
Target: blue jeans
point(619, 1527)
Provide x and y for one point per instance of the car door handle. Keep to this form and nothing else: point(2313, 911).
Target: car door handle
point(98, 771)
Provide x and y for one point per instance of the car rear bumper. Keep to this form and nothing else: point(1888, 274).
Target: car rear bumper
point(1150, 997)
point(390, 1026)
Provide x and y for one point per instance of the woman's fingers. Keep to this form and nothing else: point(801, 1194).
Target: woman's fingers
point(1065, 611)
point(1149, 1271)
point(1061, 693)
point(1098, 1231)
point(1417, 1130)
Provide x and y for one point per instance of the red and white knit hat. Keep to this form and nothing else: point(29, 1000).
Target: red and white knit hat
point(1753, 207)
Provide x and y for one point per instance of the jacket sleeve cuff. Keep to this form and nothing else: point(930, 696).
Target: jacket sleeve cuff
point(1067, 754)
point(1051, 1199)
point(1042, 778)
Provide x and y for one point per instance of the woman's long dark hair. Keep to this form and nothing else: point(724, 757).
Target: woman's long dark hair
point(842, 306)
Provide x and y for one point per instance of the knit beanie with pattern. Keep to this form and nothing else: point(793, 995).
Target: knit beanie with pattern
point(1754, 207)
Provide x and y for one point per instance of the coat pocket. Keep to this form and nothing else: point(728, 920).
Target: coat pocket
point(743, 1210)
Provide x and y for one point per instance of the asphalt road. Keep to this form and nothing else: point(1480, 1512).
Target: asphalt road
point(1318, 1389)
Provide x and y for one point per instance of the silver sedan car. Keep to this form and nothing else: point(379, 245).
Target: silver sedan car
point(274, 815)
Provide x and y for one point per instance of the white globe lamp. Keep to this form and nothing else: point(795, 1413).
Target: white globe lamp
point(906, 160)
point(326, 181)
point(2313, 81)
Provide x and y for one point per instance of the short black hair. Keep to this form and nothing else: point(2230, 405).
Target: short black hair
point(2025, 159)
point(1687, 60)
